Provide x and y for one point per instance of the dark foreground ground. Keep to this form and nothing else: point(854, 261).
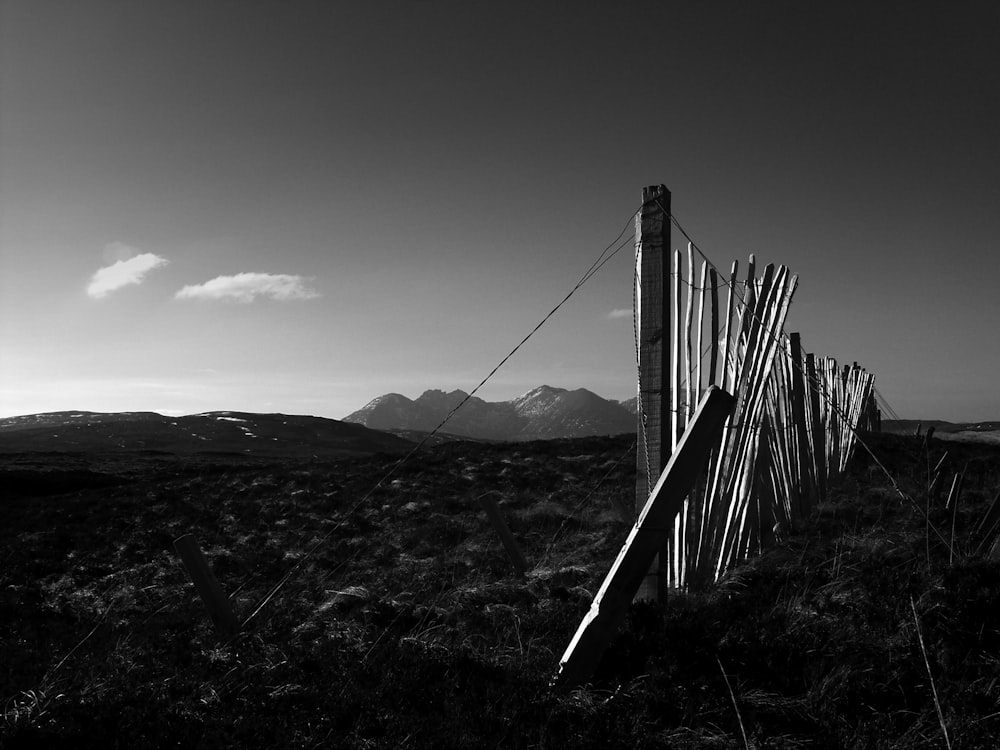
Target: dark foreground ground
point(405, 627)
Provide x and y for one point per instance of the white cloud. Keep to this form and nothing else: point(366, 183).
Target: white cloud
point(618, 313)
point(245, 287)
point(130, 271)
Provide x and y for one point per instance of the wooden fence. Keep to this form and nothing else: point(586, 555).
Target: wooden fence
point(794, 425)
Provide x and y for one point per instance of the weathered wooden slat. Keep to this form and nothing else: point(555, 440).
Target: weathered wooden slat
point(694, 508)
point(677, 381)
point(728, 350)
point(645, 539)
point(691, 399)
point(817, 427)
point(751, 288)
point(713, 357)
point(699, 326)
point(673, 543)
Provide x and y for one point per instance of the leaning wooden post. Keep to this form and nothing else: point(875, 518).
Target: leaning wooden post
point(646, 539)
point(217, 603)
point(496, 518)
point(652, 237)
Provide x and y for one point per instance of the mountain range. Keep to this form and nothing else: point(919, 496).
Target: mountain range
point(389, 424)
point(269, 435)
point(541, 413)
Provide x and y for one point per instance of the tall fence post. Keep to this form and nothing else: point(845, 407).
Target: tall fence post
point(655, 523)
point(653, 300)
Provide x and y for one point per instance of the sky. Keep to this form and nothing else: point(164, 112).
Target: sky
point(299, 206)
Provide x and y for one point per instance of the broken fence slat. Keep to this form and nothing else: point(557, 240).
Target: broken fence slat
point(217, 603)
point(646, 538)
point(489, 504)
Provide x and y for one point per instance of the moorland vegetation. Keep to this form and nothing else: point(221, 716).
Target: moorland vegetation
point(874, 625)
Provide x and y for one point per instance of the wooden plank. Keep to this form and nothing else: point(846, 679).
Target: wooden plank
point(698, 331)
point(676, 381)
point(750, 290)
point(781, 444)
point(216, 602)
point(672, 545)
point(645, 539)
point(789, 435)
point(489, 504)
point(798, 390)
point(713, 357)
point(818, 434)
point(691, 398)
point(695, 506)
point(653, 296)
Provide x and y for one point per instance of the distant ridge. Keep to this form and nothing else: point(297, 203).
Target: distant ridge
point(271, 435)
point(968, 432)
point(544, 412)
point(903, 426)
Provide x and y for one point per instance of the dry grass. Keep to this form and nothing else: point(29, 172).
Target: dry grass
point(406, 628)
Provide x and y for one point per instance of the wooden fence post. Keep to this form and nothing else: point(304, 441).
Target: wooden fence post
point(646, 539)
point(652, 225)
point(496, 518)
point(987, 529)
point(217, 603)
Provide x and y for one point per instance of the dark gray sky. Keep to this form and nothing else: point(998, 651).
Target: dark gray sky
point(313, 203)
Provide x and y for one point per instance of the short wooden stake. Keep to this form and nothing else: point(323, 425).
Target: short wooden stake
point(208, 587)
point(496, 518)
point(645, 540)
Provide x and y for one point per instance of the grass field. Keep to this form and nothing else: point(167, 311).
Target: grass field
point(406, 628)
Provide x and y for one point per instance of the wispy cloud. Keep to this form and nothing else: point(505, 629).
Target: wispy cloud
point(618, 313)
point(129, 271)
point(246, 287)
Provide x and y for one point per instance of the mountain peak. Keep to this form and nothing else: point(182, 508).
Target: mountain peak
point(542, 390)
point(542, 412)
point(436, 393)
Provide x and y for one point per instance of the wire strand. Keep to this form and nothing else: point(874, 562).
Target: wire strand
point(596, 266)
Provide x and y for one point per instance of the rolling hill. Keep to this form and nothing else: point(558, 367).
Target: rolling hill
point(278, 435)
